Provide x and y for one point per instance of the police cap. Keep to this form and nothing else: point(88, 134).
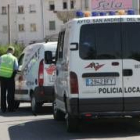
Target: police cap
point(11, 48)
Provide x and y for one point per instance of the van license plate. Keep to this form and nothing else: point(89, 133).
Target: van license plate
point(100, 81)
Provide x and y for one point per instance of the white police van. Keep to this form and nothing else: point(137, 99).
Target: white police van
point(35, 77)
point(98, 69)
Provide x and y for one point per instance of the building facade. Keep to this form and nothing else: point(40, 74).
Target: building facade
point(29, 21)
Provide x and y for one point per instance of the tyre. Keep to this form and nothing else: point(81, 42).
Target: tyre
point(72, 124)
point(34, 105)
point(57, 114)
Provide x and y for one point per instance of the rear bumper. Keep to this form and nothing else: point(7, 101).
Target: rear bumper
point(122, 114)
point(44, 94)
point(98, 108)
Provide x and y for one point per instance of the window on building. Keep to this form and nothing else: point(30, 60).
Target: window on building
point(72, 2)
point(4, 10)
point(33, 27)
point(51, 5)
point(20, 9)
point(21, 27)
point(5, 29)
point(65, 4)
point(52, 25)
point(32, 8)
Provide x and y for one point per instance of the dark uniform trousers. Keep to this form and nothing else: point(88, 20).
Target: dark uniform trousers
point(7, 86)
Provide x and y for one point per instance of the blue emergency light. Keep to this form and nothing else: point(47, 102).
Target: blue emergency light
point(79, 14)
point(112, 13)
point(94, 14)
point(102, 13)
point(130, 12)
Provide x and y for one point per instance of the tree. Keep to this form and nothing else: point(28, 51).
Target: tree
point(18, 49)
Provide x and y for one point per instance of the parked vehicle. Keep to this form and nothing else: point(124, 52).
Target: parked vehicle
point(35, 77)
point(98, 69)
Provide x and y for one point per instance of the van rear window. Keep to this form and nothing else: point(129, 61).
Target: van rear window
point(131, 40)
point(110, 41)
point(100, 41)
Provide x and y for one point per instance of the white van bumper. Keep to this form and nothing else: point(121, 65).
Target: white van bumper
point(81, 108)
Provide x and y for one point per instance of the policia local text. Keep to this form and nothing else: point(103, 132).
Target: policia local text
point(119, 90)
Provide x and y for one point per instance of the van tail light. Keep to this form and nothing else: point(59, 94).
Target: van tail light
point(74, 83)
point(41, 73)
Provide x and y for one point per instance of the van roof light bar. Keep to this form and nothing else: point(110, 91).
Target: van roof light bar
point(104, 13)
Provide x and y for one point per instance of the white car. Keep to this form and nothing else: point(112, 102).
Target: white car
point(36, 75)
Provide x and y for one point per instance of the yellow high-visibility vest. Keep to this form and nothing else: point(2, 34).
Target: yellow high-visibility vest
point(7, 65)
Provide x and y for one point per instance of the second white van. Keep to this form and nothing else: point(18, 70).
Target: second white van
point(35, 77)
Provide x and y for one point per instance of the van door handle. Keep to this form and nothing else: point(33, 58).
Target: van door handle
point(127, 72)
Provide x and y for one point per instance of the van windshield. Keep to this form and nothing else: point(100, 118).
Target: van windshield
point(105, 41)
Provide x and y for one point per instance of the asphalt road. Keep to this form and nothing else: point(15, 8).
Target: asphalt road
point(22, 125)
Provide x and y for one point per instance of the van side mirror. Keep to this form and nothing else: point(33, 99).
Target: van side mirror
point(48, 57)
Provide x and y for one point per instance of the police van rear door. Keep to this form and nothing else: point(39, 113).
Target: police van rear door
point(101, 76)
point(131, 62)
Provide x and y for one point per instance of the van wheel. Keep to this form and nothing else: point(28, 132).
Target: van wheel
point(57, 114)
point(34, 105)
point(16, 106)
point(72, 124)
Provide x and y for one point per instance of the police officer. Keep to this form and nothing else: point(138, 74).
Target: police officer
point(8, 69)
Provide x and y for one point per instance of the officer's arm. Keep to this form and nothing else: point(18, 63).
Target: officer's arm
point(15, 68)
point(16, 65)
